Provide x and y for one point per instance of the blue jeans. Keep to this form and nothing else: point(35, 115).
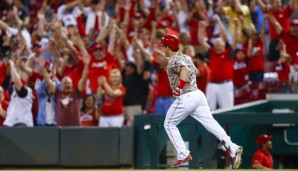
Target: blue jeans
point(162, 105)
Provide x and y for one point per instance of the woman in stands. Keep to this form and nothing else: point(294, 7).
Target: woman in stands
point(89, 116)
point(110, 98)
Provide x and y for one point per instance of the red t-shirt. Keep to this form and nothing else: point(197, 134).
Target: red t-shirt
point(163, 84)
point(113, 106)
point(88, 119)
point(240, 72)
point(292, 45)
point(74, 72)
point(256, 62)
point(283, 17)
point(4, 105)
point(101, 67)
point(221, 66)
point(204, 77)
point(283, 71)
point(2, 73)
point(262, 157)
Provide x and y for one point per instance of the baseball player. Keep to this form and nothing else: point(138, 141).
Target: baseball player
point(189, 101)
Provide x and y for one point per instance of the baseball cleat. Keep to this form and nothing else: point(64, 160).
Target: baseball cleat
point(177, 163)
point(237, 159)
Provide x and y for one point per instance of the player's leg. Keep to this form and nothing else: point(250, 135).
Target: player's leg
point(211, 95)
point(226, 95)
point(175, 115)
point(204, 116)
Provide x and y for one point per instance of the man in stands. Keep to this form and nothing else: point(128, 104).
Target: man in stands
point(19, 110)
point(262, 159)
point(220, 88)
point(68, 98)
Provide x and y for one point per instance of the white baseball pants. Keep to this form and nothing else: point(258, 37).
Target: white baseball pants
point(195, 104)
point(221, 94)
point(111, 121)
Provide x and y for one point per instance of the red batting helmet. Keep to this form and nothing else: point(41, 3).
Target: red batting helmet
point(171, 40)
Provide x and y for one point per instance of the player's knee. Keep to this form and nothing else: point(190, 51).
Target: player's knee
point(168, 125)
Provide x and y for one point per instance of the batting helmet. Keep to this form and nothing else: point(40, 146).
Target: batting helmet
point(171, 40)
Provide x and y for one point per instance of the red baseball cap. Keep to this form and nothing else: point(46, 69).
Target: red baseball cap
point(95, 47)
point(294, 22)
point(168, 18)
point(263, 139)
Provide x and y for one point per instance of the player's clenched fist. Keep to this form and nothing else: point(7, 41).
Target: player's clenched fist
point(178, 91)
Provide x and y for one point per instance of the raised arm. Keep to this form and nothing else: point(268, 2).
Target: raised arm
point(143, 50)
point(210, 8)
point(252, 6)
point(202, 38)
point(99, 93)
point(222, 28)
point(294, 5)
point(45, 74)
point(111, 47)
point(219, 9)
point(153, 33)
point(71, 5)
point(4, 26)
point(109, 90)
point(86, 59)
point(277, 26)
point(263, 34)
point(237, 5)
point(262, 5)
point(25, 68)
point(235, 38)
point(15, 76)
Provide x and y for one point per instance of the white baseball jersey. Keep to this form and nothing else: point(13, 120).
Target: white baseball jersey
point(19, 110)
point(191, 102)
point(173, 71)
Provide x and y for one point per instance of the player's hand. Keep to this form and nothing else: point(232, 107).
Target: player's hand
point(177, 92)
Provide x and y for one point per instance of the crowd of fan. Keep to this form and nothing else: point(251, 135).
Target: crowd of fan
point(99, 62)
